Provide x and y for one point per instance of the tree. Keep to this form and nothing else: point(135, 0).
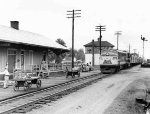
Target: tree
point(51, 56)
point(56, 57)
point(61, 42)
point(70, 52)
point(78, 54)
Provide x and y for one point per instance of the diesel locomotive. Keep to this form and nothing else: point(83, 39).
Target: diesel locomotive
point(112, 60)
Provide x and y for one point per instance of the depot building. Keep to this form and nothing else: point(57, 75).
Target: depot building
point(22, 49)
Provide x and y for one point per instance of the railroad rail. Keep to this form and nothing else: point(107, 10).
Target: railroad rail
point(43, 89)
point(27, 101)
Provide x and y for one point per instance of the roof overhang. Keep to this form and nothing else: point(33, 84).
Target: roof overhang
point(54, 49)
point(20, 37)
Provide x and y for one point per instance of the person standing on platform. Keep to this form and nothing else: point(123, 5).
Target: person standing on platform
point(6, 77)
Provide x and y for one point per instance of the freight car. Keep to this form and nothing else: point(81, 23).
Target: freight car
point(114, 60)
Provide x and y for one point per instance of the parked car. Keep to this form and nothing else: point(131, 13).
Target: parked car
point(86, 67)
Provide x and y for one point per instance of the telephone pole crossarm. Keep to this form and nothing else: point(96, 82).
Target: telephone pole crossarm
point(100, 28)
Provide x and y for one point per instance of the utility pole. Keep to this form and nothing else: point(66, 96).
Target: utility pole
point(118, 33)
point(144, 39)
point(129, 56)
point(100, 28)
point(93, 52)
point(73, 14)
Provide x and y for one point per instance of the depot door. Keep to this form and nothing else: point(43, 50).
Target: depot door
point(11, 60)
point(22, 60)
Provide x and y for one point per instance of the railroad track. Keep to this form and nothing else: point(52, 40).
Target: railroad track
point(43, 89)
point(28, 101)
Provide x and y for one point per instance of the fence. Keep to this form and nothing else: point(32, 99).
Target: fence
point(68, 65)
point(48, 67)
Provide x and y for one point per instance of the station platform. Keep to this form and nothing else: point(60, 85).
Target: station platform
point(50, 81)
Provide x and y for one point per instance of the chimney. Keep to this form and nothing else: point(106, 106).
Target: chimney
point(14, 24)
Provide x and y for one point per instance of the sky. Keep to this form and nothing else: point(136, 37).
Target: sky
point(48, 18)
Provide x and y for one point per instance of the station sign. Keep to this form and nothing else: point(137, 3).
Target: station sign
point(4, 44)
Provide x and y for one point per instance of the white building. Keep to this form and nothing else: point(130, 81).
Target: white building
point(91, 57)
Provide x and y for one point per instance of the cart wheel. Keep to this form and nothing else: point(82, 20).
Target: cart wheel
point(38, 84)
point(26, 85)
point(15, 86)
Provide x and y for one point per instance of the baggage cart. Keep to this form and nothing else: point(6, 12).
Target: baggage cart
point(26, 83)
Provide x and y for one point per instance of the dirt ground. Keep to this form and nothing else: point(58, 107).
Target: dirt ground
point(125, 102)
point(113, 95)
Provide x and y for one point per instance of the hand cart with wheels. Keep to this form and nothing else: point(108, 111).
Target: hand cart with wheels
point(27, 83)
point(73, 72)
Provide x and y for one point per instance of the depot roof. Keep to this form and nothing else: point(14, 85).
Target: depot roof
point(96, 44)
point(8, 34)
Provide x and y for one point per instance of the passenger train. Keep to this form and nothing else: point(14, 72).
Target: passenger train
point(114, 60)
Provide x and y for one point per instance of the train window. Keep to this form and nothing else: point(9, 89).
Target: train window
point(114, 58)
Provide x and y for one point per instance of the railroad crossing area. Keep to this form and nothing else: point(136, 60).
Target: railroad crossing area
point(49, 81)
